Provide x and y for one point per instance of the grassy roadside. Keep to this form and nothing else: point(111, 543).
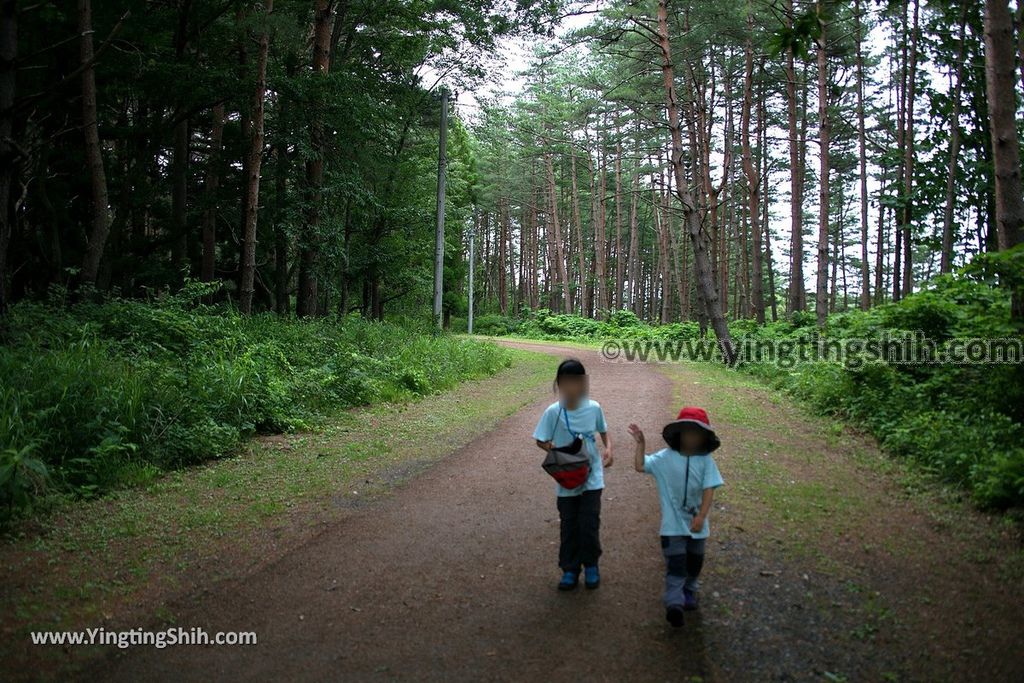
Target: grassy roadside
point(114, 561)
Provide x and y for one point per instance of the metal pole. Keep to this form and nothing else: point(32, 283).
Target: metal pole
point(442, 162)
point(469, 324)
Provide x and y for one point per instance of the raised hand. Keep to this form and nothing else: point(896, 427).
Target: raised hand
point(636, 433)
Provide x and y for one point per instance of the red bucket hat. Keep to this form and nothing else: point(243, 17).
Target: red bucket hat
point(691, 415)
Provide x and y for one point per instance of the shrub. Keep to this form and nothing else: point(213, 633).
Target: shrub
point(960, 422)
point(98, 396)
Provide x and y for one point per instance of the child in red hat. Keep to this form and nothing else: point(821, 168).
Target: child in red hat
point(686, 476)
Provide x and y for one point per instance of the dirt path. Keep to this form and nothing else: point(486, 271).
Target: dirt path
point(452, 577)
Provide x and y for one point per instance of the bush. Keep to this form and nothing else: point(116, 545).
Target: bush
point(495, 325)
point(98, 396)
point(960, 422)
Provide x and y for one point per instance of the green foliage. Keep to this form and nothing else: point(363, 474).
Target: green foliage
point(22, 476)
point(961, 422)
point(496, 325)
point(104, 395)
point(619, 324)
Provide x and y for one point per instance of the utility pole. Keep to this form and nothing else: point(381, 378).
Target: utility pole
point(472, 232)
point(442, 163)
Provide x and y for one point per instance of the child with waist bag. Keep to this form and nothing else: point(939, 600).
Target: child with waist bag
point(572, 422)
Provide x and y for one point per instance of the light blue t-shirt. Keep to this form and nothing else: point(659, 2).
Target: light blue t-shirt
point(681, 482)
point(586, 420)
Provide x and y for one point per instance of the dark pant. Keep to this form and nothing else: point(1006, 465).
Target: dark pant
point(684, 558)
point(580, 525)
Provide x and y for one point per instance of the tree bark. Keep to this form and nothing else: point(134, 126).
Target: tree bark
point(600, 237)
point(181, 150)
point(584, 293)
point(821, 293)
point(664, 256)
point(502, 240)
point(865, 274)
point(253, 166)
point(880, 250)
point(1000, 87)
point(632, 265)
point(8, 153)
point(753, 180)
point(705, 276)
point(616, 298)
point(212, 185)
point(282, 243)
point(908, 159)
point(309, 257)
point(556, 237)
point(93, 152)
point(796, 270)
point(946, 262)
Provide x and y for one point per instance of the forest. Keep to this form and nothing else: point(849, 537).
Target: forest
point(741, 168)
point(834, 154)
point(293, 294)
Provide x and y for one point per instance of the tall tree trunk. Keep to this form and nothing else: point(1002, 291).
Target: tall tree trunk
point(212, 186)
point(93, 152)
point(680, 257)
point(946, 262)
point(796, 271)
point(309, 256)
point(725, 189)
point(632, 265)
point(556, 236)
point(8, 152)
point(616, 298)
point(1002, 112)
point(901, 134)
point(908, 158)
point(865, 274)
point(534, 241)
point(282, 169)
point(880, 248)
point(181, 150)
point(600, 238)
point(502, 257)
point(511, 260)
point(253, 166)
point(584, 294)
point(664, 256)
point(762, 127)
point(821, 293)
point(702, 261)
point(1020, 43)
point(753, 181)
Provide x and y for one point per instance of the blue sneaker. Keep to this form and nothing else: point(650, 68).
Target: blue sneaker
point(689, 600)
point(592, 577)
point(569, 581)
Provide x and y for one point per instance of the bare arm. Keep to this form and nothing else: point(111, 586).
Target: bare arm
point(638, 454)
point(607, 458)
point(545, 445)
point(705, 509)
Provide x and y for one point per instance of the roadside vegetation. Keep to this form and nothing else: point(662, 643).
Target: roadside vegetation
point(96, 396)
